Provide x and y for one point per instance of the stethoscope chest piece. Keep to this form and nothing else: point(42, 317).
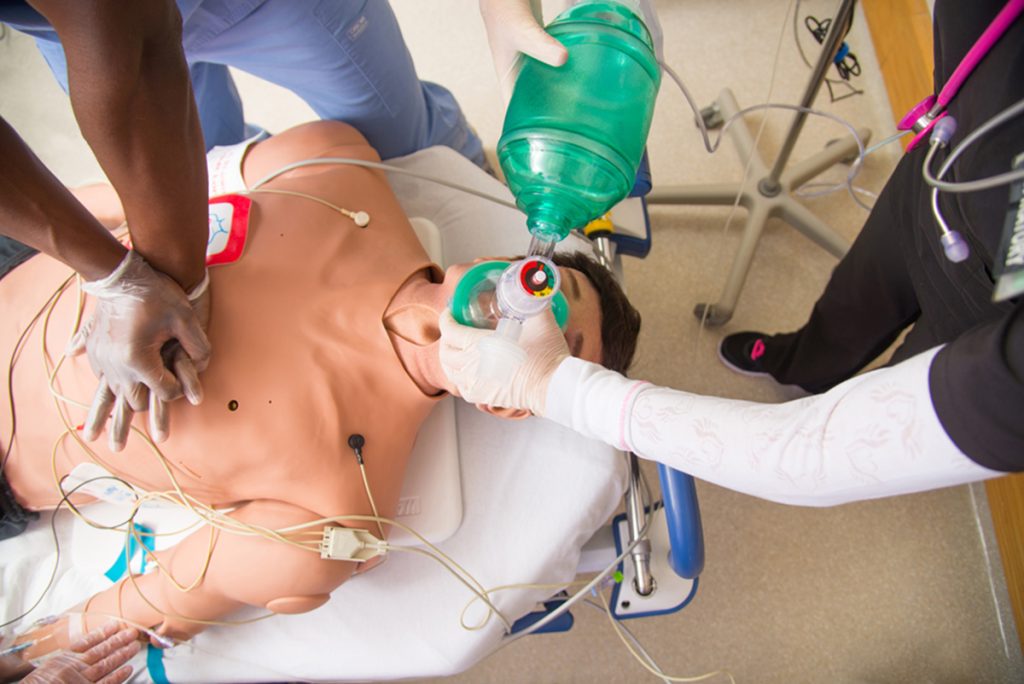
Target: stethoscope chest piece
point(921, 119)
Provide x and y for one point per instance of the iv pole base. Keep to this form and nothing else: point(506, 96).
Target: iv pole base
point(776, 201)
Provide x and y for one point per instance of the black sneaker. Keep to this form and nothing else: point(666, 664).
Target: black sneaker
point(743, 352)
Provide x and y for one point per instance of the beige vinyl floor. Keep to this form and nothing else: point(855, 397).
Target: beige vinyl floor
point(885, 592)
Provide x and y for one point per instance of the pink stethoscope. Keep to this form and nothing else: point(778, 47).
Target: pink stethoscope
point(922, 119)
point(928, 111)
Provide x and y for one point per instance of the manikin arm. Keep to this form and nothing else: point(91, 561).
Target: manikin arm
point(100, 656)
point(243, 571)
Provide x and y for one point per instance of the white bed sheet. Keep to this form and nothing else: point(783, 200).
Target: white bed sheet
point(533, 494)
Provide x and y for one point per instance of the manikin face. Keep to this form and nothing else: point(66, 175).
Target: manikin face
point(582, 330)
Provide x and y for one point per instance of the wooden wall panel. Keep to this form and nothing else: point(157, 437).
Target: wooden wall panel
point(902, 33)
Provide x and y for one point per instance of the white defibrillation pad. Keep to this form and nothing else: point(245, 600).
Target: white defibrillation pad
point(229, 228)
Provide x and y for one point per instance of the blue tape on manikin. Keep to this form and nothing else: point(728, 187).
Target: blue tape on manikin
point(120, 567)
point(155, 665)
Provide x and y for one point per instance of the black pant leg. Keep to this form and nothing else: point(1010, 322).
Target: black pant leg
point(12, 253)
point(867, 302)
point(13, 518)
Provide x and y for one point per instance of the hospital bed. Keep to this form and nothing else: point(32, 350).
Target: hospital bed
point(513, 502)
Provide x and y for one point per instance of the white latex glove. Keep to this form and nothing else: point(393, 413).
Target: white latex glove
point(100, 656)
point(143, 324)
point(528, 387)
point(513, 29)
point(650, 17)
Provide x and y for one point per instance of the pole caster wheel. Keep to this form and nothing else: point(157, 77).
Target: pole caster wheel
point(711, 315)
point(712, 116)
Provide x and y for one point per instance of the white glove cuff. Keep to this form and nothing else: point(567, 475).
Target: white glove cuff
point(111, 285)
point(200, 289)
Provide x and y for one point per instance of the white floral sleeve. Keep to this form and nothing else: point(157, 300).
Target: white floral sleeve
point(872, 436)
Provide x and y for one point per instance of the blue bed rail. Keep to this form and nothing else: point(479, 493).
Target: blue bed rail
point(682, 513)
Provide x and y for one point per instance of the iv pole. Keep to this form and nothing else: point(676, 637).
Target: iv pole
point(771, 195)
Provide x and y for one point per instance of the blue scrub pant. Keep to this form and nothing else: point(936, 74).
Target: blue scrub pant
point(13, 518)
point(346, 58)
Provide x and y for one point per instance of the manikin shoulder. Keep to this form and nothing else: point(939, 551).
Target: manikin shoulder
point(312, 140)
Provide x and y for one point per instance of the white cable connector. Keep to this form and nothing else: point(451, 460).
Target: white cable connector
point(350, 544)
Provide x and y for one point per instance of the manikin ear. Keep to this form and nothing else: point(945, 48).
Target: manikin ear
point(506, 413)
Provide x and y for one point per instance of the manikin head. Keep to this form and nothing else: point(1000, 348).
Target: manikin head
point(602, 326)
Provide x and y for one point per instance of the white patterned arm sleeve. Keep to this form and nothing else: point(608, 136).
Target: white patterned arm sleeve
point(872, 436)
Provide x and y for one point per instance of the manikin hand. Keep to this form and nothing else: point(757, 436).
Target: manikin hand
point(99, 656)
point(143, 323)
point(460, 358)
point(511, 29)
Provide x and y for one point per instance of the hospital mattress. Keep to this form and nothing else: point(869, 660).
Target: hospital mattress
point(532, 494)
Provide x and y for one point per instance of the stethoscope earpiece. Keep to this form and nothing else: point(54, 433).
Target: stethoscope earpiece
point(942, 131)
point(954, 246)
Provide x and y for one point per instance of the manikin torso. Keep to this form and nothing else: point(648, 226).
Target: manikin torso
point(302, 360)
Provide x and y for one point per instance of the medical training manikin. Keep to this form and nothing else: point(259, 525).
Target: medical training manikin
point(308, 336)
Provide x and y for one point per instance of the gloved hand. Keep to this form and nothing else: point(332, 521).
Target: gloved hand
point(143, 323)
point(181, 364)
point(100, 656)
point(511, 29)
point(528, 388)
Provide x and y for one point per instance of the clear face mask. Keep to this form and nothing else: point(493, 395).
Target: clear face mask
point(476, 301)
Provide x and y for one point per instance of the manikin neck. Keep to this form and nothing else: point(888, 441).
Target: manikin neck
point(420, 303)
